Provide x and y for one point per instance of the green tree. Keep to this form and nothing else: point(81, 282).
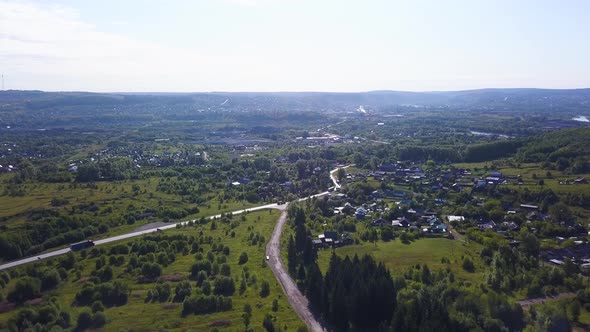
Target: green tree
point(243, 258)
point(291, 256)
point(268, 324)
point(529, 243)
point(264, 289)
point(25, 289)
point(97, 306)
point(468, 265)
point(50, 279)
point(340, 174)
point(99, 319)
point(560, 213)
point(386, 234)
point(247, 315)
point(404, 238)
point(84, 320)
point(573, 310)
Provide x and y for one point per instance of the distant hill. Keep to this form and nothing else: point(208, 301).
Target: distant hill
point(522, 99)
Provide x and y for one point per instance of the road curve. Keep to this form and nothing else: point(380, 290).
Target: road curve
point(297, 300)
point(333, 176)
point(148, 231)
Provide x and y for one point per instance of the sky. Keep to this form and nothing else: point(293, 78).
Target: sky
point(293, 45)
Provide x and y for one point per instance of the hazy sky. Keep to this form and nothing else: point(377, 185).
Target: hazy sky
point(284, 45)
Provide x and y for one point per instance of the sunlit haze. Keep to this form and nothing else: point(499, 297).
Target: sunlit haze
point(265, 45)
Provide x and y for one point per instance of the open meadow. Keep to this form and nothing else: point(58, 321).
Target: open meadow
point(241, 235)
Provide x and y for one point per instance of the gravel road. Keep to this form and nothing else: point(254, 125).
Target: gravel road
point(529, 302)
point(296, 299)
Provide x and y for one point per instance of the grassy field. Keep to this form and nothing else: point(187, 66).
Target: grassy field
point(398, 257)
point(140, 316)
point(114, 199)
point(118, 195)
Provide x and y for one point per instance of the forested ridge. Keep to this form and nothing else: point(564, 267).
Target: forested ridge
point(566, 150)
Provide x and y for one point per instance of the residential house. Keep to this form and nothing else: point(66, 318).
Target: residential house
point(377, 194)
point(360, 213)
point(400, 222)
point(488, 226)
point(318, 243)
point(379, 222)
point(430, 212)
point(455, 218)
point(480, 183)
point(510, 226)
point(495, 174)
point(438, 228)
point(331, 235)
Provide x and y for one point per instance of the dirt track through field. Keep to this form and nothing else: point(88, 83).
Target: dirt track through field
point(527, 303)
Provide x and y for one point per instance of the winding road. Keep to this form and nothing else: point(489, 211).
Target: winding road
point(273, 249)
point(297, 300)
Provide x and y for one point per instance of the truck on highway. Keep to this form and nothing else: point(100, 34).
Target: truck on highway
point(82, 245)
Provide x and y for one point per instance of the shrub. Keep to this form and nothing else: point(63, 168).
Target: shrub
point(5, 277)
point(151, 270)
point(468, 265)
point(97, 306)
point(264, 289)
point(206, 304)
point(84, 320)
point(206, 288)
point(404, 238)
point(182, 290)
point(224, 286)
point(99, 319)
point(225, 270)
point(243, 258)
point(115, 293)
point(64, 320)
point(161, 292)
point(50, 279)
point(202, 265)
point(268, 323)
point(25, 289)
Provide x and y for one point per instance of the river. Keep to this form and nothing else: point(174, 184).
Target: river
point(581, 118)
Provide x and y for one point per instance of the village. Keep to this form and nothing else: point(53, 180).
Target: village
point(424, 202)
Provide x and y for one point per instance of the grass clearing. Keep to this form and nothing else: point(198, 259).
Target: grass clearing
point(398, 257)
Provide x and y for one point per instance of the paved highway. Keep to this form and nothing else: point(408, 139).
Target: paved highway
point(139, 233)
point(273, 249)
point(126, 236)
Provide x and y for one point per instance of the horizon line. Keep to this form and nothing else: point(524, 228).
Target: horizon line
point(291, 91)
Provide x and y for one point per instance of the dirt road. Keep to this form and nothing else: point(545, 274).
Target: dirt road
point(296, 299)
point(529, 302)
